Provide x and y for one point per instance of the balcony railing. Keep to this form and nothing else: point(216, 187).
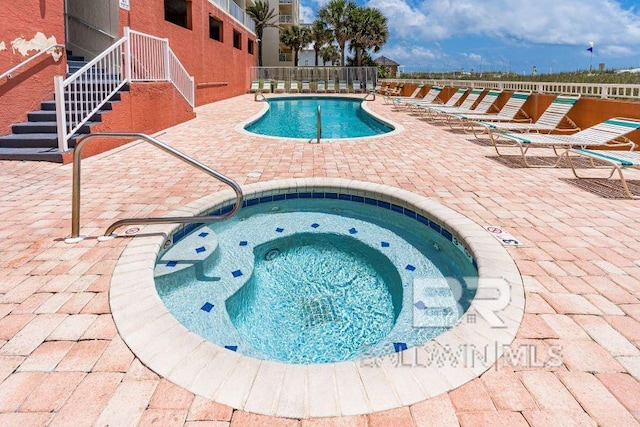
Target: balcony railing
point(236, 12)
point(286, 19)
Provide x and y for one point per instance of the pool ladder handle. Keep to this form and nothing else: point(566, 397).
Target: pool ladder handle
point(75, 202)
point(318, 126)
point(260, 95)
point(373, 96)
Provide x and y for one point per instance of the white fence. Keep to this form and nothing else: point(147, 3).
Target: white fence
point(135, 57)
point(314, 74)
point(599, 90)
point(237, 12)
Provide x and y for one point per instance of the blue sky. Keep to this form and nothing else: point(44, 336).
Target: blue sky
point(505, 35)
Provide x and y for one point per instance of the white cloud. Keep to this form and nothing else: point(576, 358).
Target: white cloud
point(571, 22)
point(473, 57)
point(307, 15)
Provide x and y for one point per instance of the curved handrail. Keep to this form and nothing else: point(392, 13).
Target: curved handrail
point(9, 74)
point(257, 94)
point(75, 202)
point(366, 97)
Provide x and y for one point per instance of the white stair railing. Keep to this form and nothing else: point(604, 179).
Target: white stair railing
point(135, 57)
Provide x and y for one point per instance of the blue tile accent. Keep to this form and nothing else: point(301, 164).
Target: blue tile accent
point(434, 226)
point(226, 210)
point(304, 195)
point(447, 234)
point(384, 244)
point(370, 201)
point(423, 220)
point(399, 346)
point(279, 230)
point(315, 225)
point(358, 199)
point(344, 197)
point(253, 202)
point(384, 204)
point(203, 234)
point(201, 249)
point(410, 267)
point(243, 243)
point(279, 197)
point(266, 199)
point(397, 208)
point(475, 264)
point(231, 347)
point(292, 196)
point(411, 214)
point(237, 273)
point(331, 195)
point(207, 307)
point(317, 195)
point(171, 264)
point(353, 230)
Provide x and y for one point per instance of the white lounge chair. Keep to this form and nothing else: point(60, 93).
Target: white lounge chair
point(357, 86)
point(293, 86)
point(331, 86)
point(399, 101)
point(280, 87)
point(548, 122)
point(610, 133)
point(255, 86)
point(433, 111)
point(321, 87)
point(508, 113)
point(484, 106)
point(342, 87)
point(617, 160)
point(305, 86)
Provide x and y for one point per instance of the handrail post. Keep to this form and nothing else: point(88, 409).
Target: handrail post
point(127, 54)
point(166, 60)
point(319, 125)
point(61, 114)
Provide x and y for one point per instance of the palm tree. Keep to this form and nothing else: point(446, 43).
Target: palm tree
point(294, 38)
point(367, 28)
point(264, 18)
point(320, 35)
point(329, 53)
point(336, 15)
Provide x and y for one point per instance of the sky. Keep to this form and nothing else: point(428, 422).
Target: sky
point(506, 35)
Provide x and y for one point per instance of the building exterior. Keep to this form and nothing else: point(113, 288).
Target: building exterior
point(214, 40)
point(275, 54)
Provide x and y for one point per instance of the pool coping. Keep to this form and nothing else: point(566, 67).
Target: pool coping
point(320, 390)
point(397, 128)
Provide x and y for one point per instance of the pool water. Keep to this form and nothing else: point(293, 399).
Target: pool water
point(321, 294)
point(316, 281)
point(297, 118)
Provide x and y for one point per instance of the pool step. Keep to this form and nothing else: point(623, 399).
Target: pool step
point(197, 247)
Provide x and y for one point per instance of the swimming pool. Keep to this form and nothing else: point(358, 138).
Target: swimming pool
point(458, 355)
point(317, 278)
point(296, 117)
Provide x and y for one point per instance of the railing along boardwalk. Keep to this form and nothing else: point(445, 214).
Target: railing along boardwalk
point(135, 57)
point(598, 90)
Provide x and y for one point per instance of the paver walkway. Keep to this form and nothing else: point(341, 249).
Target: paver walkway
point(576, 360)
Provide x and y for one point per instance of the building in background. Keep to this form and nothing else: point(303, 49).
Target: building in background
point(274, 54)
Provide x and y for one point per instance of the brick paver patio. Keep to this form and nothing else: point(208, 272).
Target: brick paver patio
point(63, 363)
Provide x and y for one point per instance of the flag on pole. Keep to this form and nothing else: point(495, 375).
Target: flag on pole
point(590, 49)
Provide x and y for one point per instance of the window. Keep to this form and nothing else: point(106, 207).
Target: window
point(237, 39)
point(250, 47)
point(215, 29)
point(178, 12)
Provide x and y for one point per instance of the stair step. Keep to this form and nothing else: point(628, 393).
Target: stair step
point(50, 116)
point(45, 127)
point(31, 154)
point(51, 106)
point(76, 63)
point(32, 140)
point(114, 97)
point(72, 57)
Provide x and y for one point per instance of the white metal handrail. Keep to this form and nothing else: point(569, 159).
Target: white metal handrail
point(82, 94)
point(9, 74)
point(600, 90)
point(146, 58)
